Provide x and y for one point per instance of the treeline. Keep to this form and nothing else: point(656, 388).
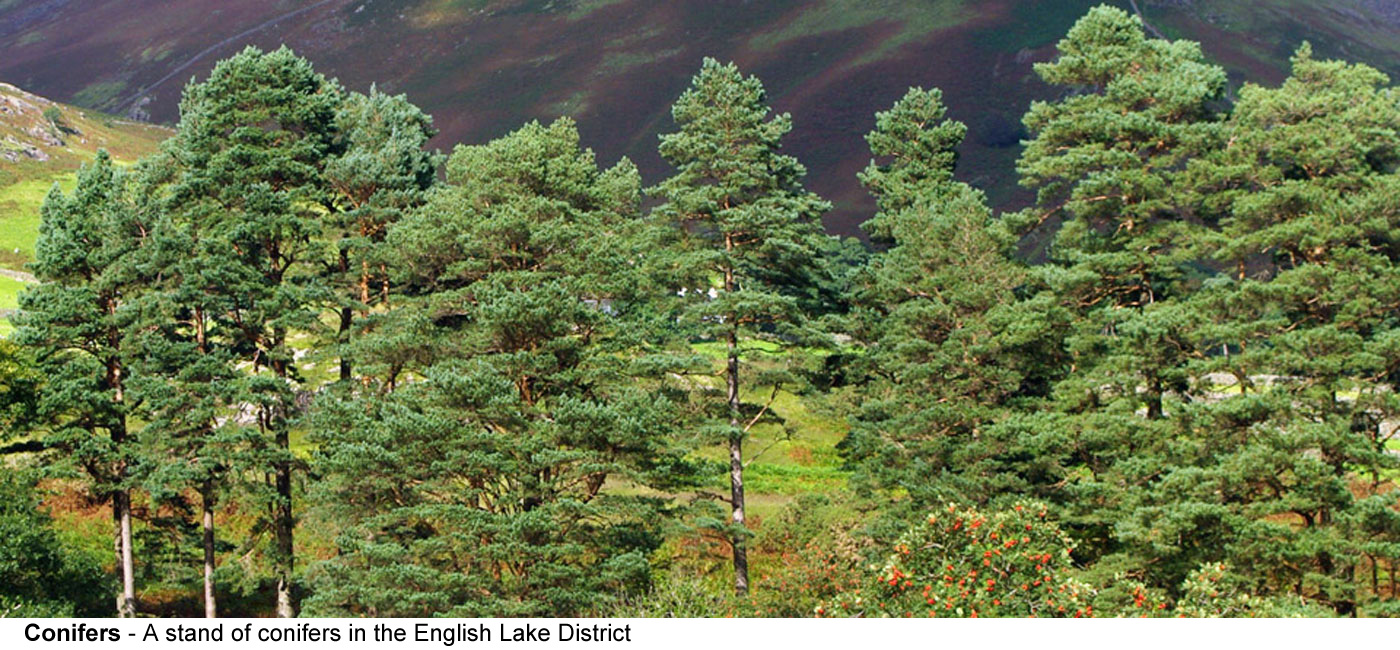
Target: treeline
point(492, 388)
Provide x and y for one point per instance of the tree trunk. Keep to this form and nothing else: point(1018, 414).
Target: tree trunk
point(736, 471)
point(283, 525)
point(121, 512)
point(121, 498)
point(211, 609)
point(282, 521)
point(117, 549)
point(347, 319)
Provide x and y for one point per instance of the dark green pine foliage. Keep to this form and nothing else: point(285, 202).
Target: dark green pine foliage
point(186, 355)
point(1107, 162)
point(250, 152)
point(482, 483)
point(916, 150)
point(744, 249)
point(76, 321)
point(951, 350)
point(1283, 468)
point(380, 170)
point(20, 383)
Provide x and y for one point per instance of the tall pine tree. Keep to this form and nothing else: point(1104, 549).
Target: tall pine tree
point(1107, 162)
point(952, 349)
point(745, 234)
point(250, 152)
point(186, 357)
point(474, 479)
point(78, 321)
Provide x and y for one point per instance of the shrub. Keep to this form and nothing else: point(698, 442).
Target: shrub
point(812, 553)
point(960, 562)
point(39, 576)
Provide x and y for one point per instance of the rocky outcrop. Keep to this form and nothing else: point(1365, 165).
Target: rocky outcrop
point(25, 131)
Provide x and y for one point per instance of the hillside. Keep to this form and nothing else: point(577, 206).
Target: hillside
point(41, 143)
point(482, 67)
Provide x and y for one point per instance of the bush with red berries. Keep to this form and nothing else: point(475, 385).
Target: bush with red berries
point(960, 562)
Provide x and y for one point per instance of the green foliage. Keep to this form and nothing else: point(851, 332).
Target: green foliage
point(1305, 199)
point(20, 382)
point(954, 339)
point(740, 221)
point(379, 170)
point(39, 576)
point(915, 147)
point(478, 487)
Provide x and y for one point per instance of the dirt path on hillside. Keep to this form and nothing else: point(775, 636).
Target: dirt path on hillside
point(19, 275)
point(212, 48)
point(1143, 18)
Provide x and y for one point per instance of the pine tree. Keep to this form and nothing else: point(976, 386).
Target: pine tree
point(77, 320)
point(951, 346)
point(745, 235)
point(380, 170)
point(250, 153)
point(1284, 457)
point(186, 360)
point(474, 480)
point(1107, 161)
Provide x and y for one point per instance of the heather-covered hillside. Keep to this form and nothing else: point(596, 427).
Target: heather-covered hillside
point(481, 67)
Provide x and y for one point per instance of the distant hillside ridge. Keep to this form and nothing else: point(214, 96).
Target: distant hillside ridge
point(483, 67)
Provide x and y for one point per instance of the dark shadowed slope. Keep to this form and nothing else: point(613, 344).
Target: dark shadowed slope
point(484, 66)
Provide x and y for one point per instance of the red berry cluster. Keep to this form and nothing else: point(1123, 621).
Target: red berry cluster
point(964, 563)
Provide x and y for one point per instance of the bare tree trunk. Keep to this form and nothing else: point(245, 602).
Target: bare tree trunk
point(736, 450)
point(121, 511)
point(211, 609)
point(283, 525)
point(282, 521)
point(117, 547)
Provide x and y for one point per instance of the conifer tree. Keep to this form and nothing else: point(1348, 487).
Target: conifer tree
point(77, 320)
point(379, 170)
point(1284, 458)
point(186, 360)
point(746, 237)
point(951, 346)
point(474, 480)
point(1107, 161)
point(250, 152)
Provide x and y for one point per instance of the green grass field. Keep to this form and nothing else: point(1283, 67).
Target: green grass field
point(19, 216)
point(9, 299)
point(31, 125)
